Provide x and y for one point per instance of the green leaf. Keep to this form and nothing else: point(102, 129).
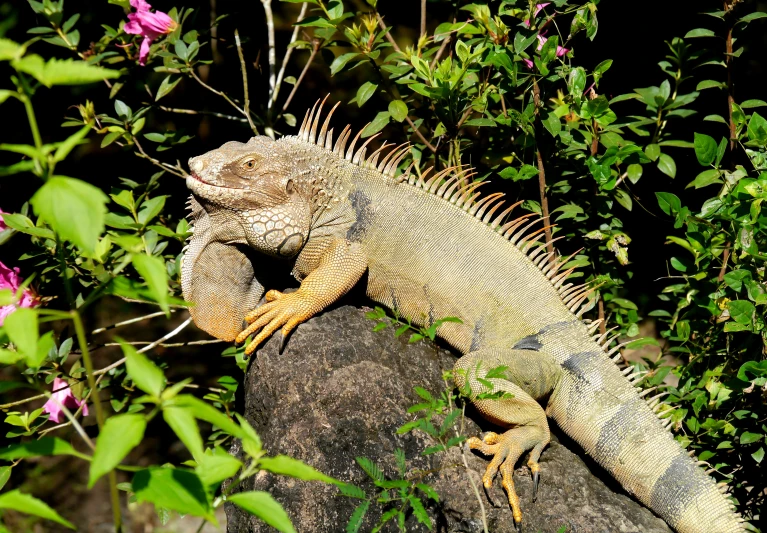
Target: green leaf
point(750, 104)
point(623, 198)
point(24, 503)
point(181, 421)
point(699, 32)
point(213, 468)
point(173, 488)
point(481, 121)
point(371, 469)
point(10, 50)
point(153, 270)
point(21, 327)
point(757, 128)
point(355, 520)
point(288, 466)
point(365, 91)
point(5, 475)
point(398, 110)
point(749, 438)
point(707, 177)
point(68, 145)
point(419, 512)
point(208, 413)
point(262, 505)
point(74, 209)
point(379, 122)
point(120, 434)
point(167, 85)
point(705, 149)
point(634, 172)
point(652, 151)
point(741, 311)
point(36, 448)
point(62, 71)
point(667, 165)
point(341, 61)
point(144, 373)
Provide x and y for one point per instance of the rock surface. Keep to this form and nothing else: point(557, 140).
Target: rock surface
point(340, 391)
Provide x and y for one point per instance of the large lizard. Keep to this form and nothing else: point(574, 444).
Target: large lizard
point(429, 246)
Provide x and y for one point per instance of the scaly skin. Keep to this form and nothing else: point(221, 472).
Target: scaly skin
point(432, 250)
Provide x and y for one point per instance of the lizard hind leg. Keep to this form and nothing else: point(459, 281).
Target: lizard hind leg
point(509, 400)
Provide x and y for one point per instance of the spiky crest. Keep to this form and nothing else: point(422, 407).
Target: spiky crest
point(454, 185)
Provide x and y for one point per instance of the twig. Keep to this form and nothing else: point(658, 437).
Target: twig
point(541, 170)
point(201, 112)
point(725, 257)
point(73, 422)
point(315, 49)
point(178, 171)
point(131, 321)
point(420, 135)
point(272, 56)
point(601, 308)
point(112, 478)
point(441, 50)
point(469, 472)
point(388, 35)
point(166, 345)
point(217, 92)
point(423, 18)
point(285, 60)
point(145, 348)
point(244, 81)
point(730, 96)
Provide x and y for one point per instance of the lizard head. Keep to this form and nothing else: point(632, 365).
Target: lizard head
point(252, 182)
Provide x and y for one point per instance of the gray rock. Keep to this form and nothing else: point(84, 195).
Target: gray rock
point(340, 391)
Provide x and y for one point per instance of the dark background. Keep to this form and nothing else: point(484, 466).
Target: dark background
point(632, 33)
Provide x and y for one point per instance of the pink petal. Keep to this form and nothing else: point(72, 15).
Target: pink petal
point(144, 51)
point(562, 51)
point(133, 26)
point(541, 41)
point(2, 222)
point(538, 7)
point(529, 64)
point(158, 23)
point(53, 409)
point(5, 311)
point(140, 5)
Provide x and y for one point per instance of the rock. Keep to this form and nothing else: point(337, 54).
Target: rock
point(340, 391)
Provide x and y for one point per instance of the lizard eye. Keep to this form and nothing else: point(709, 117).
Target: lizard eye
point(250, 164)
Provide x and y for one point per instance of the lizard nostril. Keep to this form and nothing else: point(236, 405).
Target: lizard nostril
point(196, 164)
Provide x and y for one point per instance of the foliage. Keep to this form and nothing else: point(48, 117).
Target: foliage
point(493, 85)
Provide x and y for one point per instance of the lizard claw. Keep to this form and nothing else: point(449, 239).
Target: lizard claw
point(536, 477)
point(280, 310)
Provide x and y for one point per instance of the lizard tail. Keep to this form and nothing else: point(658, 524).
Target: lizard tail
point(602, 411)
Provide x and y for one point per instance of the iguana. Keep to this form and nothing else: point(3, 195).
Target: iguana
point(429, 245)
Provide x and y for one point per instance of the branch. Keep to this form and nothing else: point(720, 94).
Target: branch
point(195, 112)
point(423, 18)
point(541, 170)
point(285, 60)
point(388, 35)
point(244, 82)
point(272, 57)
point(131, 321)
point(420, 135)
point(178, 171)
point(301, 77)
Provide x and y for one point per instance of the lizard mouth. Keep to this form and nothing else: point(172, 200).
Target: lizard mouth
point(198, 178)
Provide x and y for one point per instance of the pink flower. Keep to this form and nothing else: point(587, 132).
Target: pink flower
point(10, 279)
point(149, 25)
point(2, 223)
point(63, 397)
point(538, 8)
point(541, 41)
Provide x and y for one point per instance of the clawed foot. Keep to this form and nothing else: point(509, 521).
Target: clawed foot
point(506, 450)
point(280, 309)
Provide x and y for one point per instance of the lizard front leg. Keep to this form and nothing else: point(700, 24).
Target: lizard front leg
point(339, 268)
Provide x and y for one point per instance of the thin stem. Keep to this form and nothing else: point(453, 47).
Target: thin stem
point(217, 92)
point(541, 169)
point(423, 18)
point(601, 308)
point(468, 474)
point(388, 35)
point(728, 59)
point(286, 59)
point(30, 112)
point(725, 257)
point(315, 49)
point(272, 56)
point(420, 135)
point(63, 265)
point(178, 171)
point(131, 321)
point(195, 112)
point(244, 82)
point(82, 341)
point(73, 421)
